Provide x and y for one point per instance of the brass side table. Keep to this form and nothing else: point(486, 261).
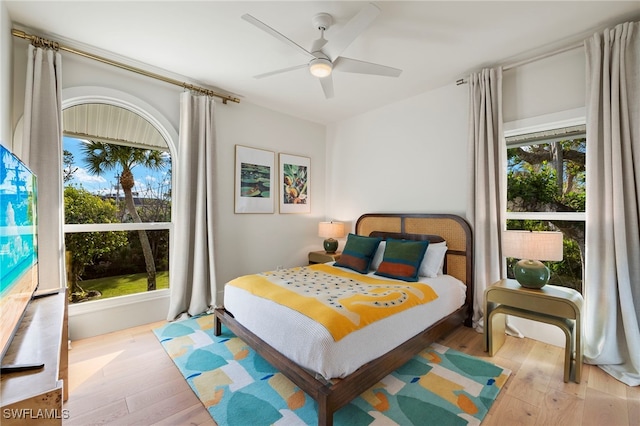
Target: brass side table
point(559, 306)
point(323, 257)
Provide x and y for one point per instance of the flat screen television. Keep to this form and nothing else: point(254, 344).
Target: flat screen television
point(18, 244)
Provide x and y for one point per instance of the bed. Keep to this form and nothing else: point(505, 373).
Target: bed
point(352, 364)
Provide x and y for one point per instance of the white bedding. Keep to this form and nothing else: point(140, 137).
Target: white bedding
point(310, 345)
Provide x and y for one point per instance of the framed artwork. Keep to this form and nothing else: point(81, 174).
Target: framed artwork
point(294, 184)
point(255, 171)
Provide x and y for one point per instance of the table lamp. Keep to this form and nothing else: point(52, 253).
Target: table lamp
point(330, 231)
point(531, 247)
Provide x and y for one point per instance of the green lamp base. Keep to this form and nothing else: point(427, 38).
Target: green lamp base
point(330, 245)
point(531, 273)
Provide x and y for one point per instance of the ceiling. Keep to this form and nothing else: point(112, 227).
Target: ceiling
point(208, 44)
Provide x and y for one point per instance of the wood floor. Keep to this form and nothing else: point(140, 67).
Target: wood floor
point(127, 378)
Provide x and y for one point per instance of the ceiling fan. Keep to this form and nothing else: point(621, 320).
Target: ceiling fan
point(324, 55)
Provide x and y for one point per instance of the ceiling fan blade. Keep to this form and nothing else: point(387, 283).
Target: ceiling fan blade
point(264, 27)
point(348, 34)
point(361, 67)
point(269, 74)
point(327, 86)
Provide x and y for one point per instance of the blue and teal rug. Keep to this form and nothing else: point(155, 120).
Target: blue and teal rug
point(439, 386)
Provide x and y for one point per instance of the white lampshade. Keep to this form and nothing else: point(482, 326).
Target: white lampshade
point(533, 245)
point(331, 229)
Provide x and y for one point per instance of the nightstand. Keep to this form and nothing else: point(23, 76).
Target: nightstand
point(559, 306)
point(323, 257)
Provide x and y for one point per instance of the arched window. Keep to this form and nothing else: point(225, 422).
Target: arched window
point(117, 162)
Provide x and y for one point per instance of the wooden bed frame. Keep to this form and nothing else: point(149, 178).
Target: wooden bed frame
point(334, 394)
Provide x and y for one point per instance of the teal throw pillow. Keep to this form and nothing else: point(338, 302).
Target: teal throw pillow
point(402, 259)
point(358, 252)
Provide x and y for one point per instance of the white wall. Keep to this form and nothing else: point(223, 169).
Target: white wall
point(410, 156)
point(256, 242)
point(543, 87)
point(246, 243)
point(6, 52)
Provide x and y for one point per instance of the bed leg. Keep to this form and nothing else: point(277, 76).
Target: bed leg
point(325, 416)
point(324, 419)
point(218, 326)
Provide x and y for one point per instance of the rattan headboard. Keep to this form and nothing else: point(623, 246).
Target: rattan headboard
point(454, 229)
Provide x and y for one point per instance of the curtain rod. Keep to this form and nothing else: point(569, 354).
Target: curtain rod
point(55, 45)
point(533, 59)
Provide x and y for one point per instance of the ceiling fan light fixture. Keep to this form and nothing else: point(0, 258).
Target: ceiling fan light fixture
point(320, 67)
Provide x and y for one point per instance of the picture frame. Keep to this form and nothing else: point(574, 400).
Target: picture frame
point(254, 180)
point(294, 182)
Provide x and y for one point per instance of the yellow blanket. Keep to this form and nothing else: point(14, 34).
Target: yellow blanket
point(340, 300)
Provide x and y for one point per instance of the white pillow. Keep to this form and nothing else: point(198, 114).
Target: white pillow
point(377, 258)
point(433, 261)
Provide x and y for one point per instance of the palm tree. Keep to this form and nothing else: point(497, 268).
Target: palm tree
point(102, 157)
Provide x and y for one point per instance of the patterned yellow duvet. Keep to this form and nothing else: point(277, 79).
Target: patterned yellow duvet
point(340, 300)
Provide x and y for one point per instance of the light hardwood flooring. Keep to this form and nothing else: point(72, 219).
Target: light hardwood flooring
point(126, 377)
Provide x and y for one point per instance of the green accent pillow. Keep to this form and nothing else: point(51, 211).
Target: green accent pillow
point(402, 259)
point(358, 252)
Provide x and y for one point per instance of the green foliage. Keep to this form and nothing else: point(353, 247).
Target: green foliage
point(576, 201)
point(102, 157)
point(550, 177)
point(80, 206)
point(104, 254)
point(528, 225)
point(129, 258)
point(534, 183)
point(567, 273)
point(534, 187)
point(68, 168)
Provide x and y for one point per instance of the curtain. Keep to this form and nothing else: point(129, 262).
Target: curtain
point(192, 265)
point(41, 149)
point(487, 171)
point(612, 271)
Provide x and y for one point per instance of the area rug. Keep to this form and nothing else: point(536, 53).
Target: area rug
point(439, 386)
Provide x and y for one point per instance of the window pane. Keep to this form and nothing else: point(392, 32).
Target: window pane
point(136, 181)
point(101, 265)
point(117, 182)
point(546, 191)
point(568, 272)
point(547, 177)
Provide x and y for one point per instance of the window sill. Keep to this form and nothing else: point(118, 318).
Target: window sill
point(93, 306)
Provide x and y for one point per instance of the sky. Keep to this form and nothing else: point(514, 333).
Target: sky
point(145, 179)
